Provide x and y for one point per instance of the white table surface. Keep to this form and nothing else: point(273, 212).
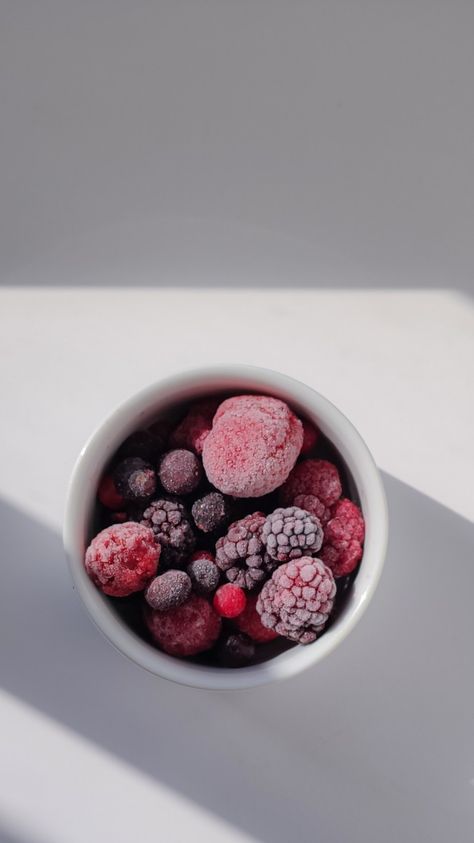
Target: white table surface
point(283, 183)
point(377, 741)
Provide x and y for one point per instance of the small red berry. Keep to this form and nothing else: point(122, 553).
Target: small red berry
point(229, 601)
point(108, 494)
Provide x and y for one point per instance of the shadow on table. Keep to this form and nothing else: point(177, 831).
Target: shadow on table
point(333, 754)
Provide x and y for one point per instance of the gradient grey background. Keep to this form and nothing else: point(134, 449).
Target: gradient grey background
point(209, 142)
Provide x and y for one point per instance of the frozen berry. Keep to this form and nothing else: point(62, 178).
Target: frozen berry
point(229, 601)
point(241, 553)
point(194, 428)
point(342, 560)
point(202, 554)
point(290, 533)
point(204, 575)
point(108, 494)
point(313, 505)
point(141, 444)
point(313, 477)
point(236, 650)
point(180, 472)
point(122, 559)
point(250, 623)
point(343, 537)
point(168, 590)
point(135, 479)
point(210, 512)
point(170, 524)
point(297, 601)
point(253, 445)
point(310, 437)
point(185, 630)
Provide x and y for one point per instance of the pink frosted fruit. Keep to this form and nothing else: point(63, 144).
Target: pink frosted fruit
point(310, 437)
point(193, 430)
point(343, 537)
point(313, 477)
point(122, 558)
point(185, 630)
point(253, 445)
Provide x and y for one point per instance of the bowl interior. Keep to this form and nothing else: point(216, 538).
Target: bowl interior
point(120, 621)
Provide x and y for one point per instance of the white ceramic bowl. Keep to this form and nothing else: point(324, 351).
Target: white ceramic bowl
point(140, 410)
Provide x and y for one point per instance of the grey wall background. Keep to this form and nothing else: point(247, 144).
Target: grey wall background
point(237, 143)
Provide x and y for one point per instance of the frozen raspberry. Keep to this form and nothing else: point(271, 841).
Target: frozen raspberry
point(236, 650)
point(229, 601)
point(168, 520)
point(185, 630)
point(290, 533)
point(135, 479)
point(180, 472)
point(168, 590)
point(250, 623)
point(141, 443)
point(310, 437)
point(122, 559)
point(210, 512)
point(194, 428)
point(297, 601)
point(253, 445)
point(241, 553)
point(343, 538)
point(108, 495)
point(313, 477)
point(313, 505)
point(204, 574)
point(342, 560)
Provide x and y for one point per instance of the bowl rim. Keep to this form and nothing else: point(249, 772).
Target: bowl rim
point(139, 409)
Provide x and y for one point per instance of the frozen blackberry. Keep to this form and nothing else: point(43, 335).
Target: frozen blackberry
point(297, 601)
point(210, 512)
point(169, 522)
point(135, 479)
point(168, 590)
point(290, 533)
point(204, 575)
point(241, 553)
point(236, 650)
point(180, 471)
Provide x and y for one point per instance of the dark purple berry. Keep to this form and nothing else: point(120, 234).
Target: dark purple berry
point(135, 479)
point(180, 471)
point(168, 590)
point(204, 576)
point(173, 531)
point(210, 512)
point(236, 650)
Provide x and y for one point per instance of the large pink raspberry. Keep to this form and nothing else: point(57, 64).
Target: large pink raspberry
point(253, 445)
point(193, 430)
point(313, 477)
point(297, 601)
point(343, 538)
point(122, 558)
point(185, 630)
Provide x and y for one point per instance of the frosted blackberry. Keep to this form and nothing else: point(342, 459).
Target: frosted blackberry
point(290, 533)
point(169, 522)
point(241, 553)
